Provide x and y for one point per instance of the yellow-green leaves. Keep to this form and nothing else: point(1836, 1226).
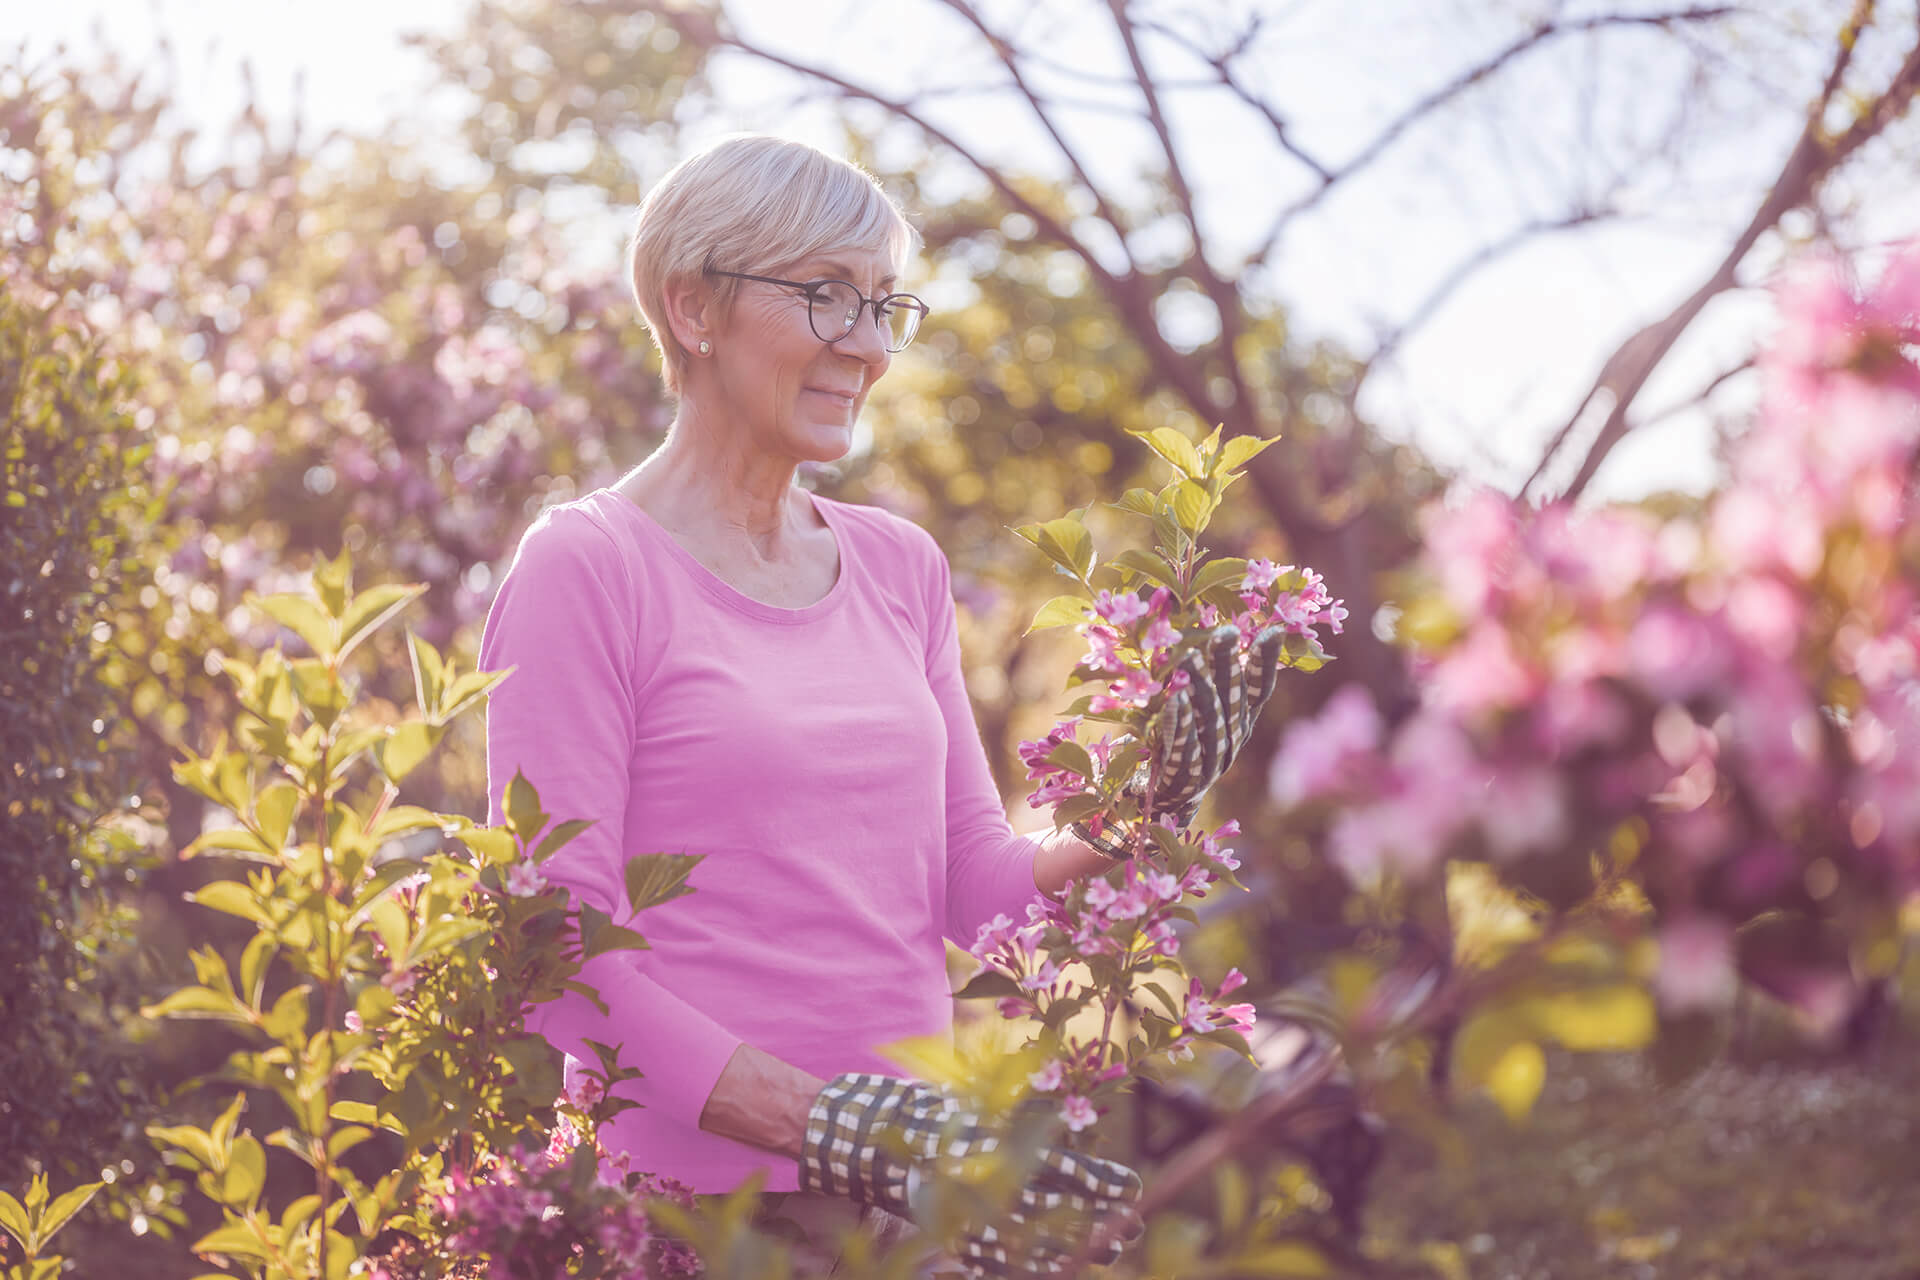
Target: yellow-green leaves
point(1498, 1049)
point(1061, 611)
point(1065, 541)
point(34, 1222)
point(1176, 449)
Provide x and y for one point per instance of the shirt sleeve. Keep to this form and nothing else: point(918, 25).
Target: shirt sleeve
point(566, 717)
point(989, 867)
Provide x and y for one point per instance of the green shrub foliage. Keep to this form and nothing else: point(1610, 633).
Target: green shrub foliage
point(75, 497)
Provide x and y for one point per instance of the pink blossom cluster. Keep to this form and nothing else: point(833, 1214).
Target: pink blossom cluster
point(1126, 917)
point(1734, 688)
point(526, 1220)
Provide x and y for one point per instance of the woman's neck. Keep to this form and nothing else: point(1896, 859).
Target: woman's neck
point(695, 484)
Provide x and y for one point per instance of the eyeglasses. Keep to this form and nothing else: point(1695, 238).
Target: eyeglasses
point(834, 307)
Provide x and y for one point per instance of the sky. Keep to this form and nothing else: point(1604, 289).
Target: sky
point(1480, 387)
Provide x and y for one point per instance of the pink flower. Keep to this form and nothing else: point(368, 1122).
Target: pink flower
point(993, 935)
point(1131, 690)
point(1317, 756)
point(1240, 1017)
point(524, 879)
point(1159, 635)
point(585, 1091)
point(1121, 610)
point(1337, 616)
point(1077, 1112)
point(1161, 934)
point(1040, 979)
point(1101, 894)
point(1163, 885)
point(1209, 616)
point(1696, 965)
point(1232, 982)
point(1261, 575)
point(1135, 900)
point(353, 1022)
point(1103, 652)
point(1047, 1078)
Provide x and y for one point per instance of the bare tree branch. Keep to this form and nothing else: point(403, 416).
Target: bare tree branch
point(1010, 56)
point(1545, 32)
point(1813, 157)
point(1222, 64)
point(1225, 299)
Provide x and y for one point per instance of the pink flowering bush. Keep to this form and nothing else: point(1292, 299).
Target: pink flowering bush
point(1694, 729)
point(1102, 949)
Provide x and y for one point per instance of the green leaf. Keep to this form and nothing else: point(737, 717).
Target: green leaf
point(654, 878)
point(1192, 505)
point(1615, 1018)
point(1061, 611)
point(372, 609)
point(402, 818)
point(320, 691)
point(190, 1139)
point(552, 842)
point(288, 1021)
point(599, 935)
point(346, 1139)
point(523, 808)
point(495, 845)
point(1228, 571)
point(1243, 449)
point(273, 810)
point(245, 1175)
point(1071, 755)
point(198, 1002)
point(405, 746)
point(357, 1112)
point(234, 1240)
point(1065, 541)
point(1176, 449)
point(254, 961)
point(332, 580)
point(1516, 1078)
point(304, 618)
point(1141, 502)
point(428, 674)
point(1303, 653)
point(232, 897)
point(988, 984)
point(1148, 564)
point(14, 1219)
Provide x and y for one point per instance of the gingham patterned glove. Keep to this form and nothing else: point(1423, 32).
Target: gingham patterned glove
point(1200, 730)
point(871, 1137)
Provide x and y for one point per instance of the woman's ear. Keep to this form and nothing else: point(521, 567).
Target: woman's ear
point(693, 312)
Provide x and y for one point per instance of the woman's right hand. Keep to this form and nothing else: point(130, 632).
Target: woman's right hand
point(872, 1138)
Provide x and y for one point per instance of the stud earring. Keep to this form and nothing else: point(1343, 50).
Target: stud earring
point(706, 348)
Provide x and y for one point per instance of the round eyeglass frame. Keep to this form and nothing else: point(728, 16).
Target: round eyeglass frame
point(811, 288)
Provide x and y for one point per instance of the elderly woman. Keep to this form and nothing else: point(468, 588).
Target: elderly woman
point(710, 659)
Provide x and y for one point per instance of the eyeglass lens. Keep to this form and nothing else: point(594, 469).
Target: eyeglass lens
point(836, 308)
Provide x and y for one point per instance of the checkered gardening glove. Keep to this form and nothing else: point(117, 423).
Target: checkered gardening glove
point(871, 1138)
point(1197, 734)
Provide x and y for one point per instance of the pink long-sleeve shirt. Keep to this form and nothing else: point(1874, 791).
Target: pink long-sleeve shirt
point(824, 759)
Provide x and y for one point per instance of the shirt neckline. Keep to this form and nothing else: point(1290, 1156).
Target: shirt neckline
point(722, 590)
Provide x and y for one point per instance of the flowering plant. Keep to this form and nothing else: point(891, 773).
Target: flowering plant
point(385, 986)
point(1666, 750)
point(1144, 615)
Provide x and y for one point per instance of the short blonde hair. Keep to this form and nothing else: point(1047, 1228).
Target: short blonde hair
point(751, 203)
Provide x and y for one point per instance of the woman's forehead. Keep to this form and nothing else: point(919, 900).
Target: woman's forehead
point(848, 264)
